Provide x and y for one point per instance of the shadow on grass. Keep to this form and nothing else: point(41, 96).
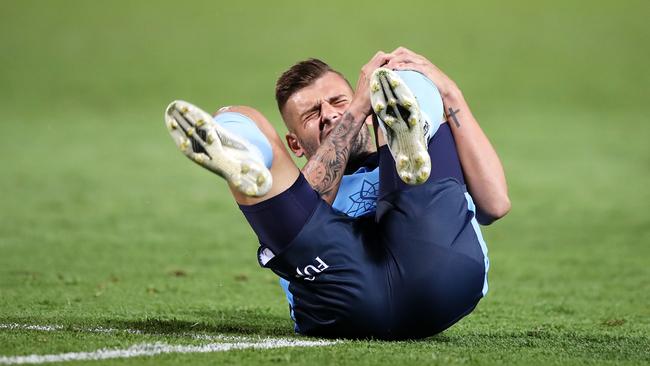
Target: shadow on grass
point(233, 322)
point(236, 322)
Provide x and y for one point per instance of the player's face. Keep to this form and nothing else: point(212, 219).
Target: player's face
point(312, 112)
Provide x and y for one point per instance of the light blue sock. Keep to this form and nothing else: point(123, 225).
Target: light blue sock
point(244, 127)
point(428, 98)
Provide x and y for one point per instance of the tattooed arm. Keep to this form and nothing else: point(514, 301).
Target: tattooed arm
point(482, 168)
point(325, 168)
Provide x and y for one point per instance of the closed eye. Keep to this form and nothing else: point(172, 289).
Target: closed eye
point(310, 115)
point(338, 100)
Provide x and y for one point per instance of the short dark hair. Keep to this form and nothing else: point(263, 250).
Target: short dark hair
point(299, 76)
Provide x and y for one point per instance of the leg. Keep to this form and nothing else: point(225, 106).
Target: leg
point(440, 257)
point(240, 145)
point(283, 170)
point(396, 199)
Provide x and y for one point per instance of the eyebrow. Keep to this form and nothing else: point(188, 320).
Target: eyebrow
point(336, 97)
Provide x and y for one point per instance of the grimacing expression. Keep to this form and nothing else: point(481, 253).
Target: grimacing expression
point(312, 112)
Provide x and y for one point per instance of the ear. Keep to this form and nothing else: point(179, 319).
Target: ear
point(294, 144)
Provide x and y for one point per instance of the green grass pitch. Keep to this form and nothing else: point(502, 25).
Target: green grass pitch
point(104, 224)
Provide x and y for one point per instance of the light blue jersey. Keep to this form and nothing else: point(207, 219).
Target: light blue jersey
point(358, 193)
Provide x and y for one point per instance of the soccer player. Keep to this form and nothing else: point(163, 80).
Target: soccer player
point(368, 242)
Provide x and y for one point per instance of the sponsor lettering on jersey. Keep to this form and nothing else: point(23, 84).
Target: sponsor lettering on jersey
point(309, 272)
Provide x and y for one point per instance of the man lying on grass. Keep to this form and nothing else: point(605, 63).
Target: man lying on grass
point(371, 239)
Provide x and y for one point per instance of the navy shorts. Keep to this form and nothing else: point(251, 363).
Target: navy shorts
point(410, 270)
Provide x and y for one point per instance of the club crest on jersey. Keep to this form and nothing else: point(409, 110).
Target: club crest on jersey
point(309, 272)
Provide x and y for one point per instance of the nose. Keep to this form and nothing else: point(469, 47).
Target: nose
point(329, 115)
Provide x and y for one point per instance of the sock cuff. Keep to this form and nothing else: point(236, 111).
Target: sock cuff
point(242, 126)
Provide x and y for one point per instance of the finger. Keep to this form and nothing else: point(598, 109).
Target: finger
point(398, 51)
point(399, 59)
point(397, 65)
point(378, 56)
point(403, 66)
point(380, 59)
point(391, 64)
point(401, 50)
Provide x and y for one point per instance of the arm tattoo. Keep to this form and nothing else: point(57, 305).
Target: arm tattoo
point(452, 114)
point(324, 170)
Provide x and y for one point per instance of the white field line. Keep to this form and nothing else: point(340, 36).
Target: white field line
point(197, 336)
point(46, 328)
point(150, 349)
point(153, 349)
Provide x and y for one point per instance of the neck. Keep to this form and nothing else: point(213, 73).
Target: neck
point(362, 148)
point(356, 162)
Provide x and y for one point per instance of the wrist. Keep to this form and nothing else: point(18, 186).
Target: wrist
point(359, 110)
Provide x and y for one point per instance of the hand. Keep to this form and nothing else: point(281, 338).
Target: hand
point(404, 59)
point(361, 100)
